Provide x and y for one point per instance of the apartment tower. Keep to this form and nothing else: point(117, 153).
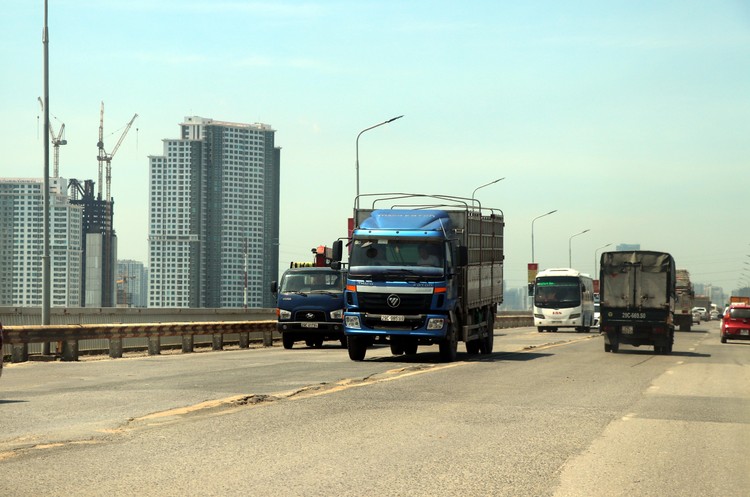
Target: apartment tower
point(214, 216)
point(22, 244)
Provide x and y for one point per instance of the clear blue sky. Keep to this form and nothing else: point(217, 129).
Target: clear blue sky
point(630, 117)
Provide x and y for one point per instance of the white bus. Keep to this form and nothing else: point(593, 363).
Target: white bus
point(563, 298)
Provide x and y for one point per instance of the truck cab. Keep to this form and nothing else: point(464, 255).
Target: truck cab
point(310, 306)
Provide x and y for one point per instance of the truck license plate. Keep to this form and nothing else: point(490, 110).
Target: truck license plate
point(745, 332)
point(309, 325)
point(627, 330)
point(391, 317)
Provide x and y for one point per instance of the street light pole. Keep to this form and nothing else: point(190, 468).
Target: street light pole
point(570, 250)
point(486, 184)
point(532, 231)
point(357, 144)
point(46, 269)
point(595, 258)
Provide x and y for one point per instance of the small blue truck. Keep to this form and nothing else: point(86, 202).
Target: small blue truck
point(310, 305)
point(422, 270)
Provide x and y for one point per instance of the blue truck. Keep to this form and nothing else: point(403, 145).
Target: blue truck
point(422, 270)
point(310, 305)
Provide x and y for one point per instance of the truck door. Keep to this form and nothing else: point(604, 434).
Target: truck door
point(652, 287)
point(619, 285)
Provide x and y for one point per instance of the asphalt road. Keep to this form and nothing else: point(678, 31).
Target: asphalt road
point(547, 414)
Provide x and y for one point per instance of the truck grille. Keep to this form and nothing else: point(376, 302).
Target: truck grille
point(410, 304)
point(310, 315)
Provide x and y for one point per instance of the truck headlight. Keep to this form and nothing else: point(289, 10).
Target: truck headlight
point(352, 322)
point(284, 314)
point(337, 314)
point(435, 323)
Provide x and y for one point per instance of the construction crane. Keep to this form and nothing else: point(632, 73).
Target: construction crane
point(56, 142)
point(104, 157)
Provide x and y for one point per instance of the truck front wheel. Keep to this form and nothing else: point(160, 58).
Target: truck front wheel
point(449, 345)
point(357, 347)
point(287, 340)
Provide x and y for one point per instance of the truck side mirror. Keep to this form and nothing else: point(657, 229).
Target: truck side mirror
point(336, 265)
point(274, 287)
point(338, 251)
point(462, 256)
point(531, 289)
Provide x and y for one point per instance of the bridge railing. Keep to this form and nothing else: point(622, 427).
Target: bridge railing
point(68, 341)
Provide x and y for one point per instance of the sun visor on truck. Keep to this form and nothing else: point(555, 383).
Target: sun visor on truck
point(427, 220)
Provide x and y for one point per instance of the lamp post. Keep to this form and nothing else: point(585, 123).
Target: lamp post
point(357, 144)
point(570, 250)
point(596, 259)
point(486, 184)
point(532, 231)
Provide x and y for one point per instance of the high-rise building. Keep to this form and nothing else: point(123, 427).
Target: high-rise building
point(628, 246)
point(214, 216)
point(22, 244)
point(99, 245)
point(132, 284)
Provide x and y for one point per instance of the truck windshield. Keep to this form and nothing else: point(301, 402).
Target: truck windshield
point(384, 252)
point(301, 281)
point(557, 292)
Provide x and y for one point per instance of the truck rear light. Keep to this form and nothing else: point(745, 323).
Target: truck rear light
point(659, 329)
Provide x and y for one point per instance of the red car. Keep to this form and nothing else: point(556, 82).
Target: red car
point(735, 323)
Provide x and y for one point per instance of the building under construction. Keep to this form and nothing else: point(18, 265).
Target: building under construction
point(99, 245)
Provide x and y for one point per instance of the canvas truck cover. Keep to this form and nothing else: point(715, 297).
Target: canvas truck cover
point(637, 279)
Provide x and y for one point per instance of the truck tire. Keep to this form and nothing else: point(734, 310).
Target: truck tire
point(287, 340)
point(357, 347)
point(449, 345)
point(343, 341)
point(397, 346)
point(411, 346)
point(486, 343)
point(472, 347)
point(607, 347)
point(614, 344)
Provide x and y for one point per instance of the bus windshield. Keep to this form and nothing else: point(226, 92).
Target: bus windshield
point(557, 292)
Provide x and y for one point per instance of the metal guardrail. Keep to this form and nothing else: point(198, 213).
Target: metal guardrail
point(71, 339)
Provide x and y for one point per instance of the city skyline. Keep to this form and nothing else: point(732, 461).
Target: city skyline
point(627, 118)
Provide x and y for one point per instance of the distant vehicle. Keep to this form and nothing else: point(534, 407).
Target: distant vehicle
point(696, 317)
point(596, 315)
point(563, 298)
point(683, 315)
point(714, 314)
point(702, 312)
point(637, 291)
point(735, 324)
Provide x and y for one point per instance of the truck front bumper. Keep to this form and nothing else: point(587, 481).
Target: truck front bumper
point(310, 327)
point(421, 325)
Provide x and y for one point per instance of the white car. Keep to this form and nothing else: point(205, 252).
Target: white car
point(596, 315)
point(703, 312)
